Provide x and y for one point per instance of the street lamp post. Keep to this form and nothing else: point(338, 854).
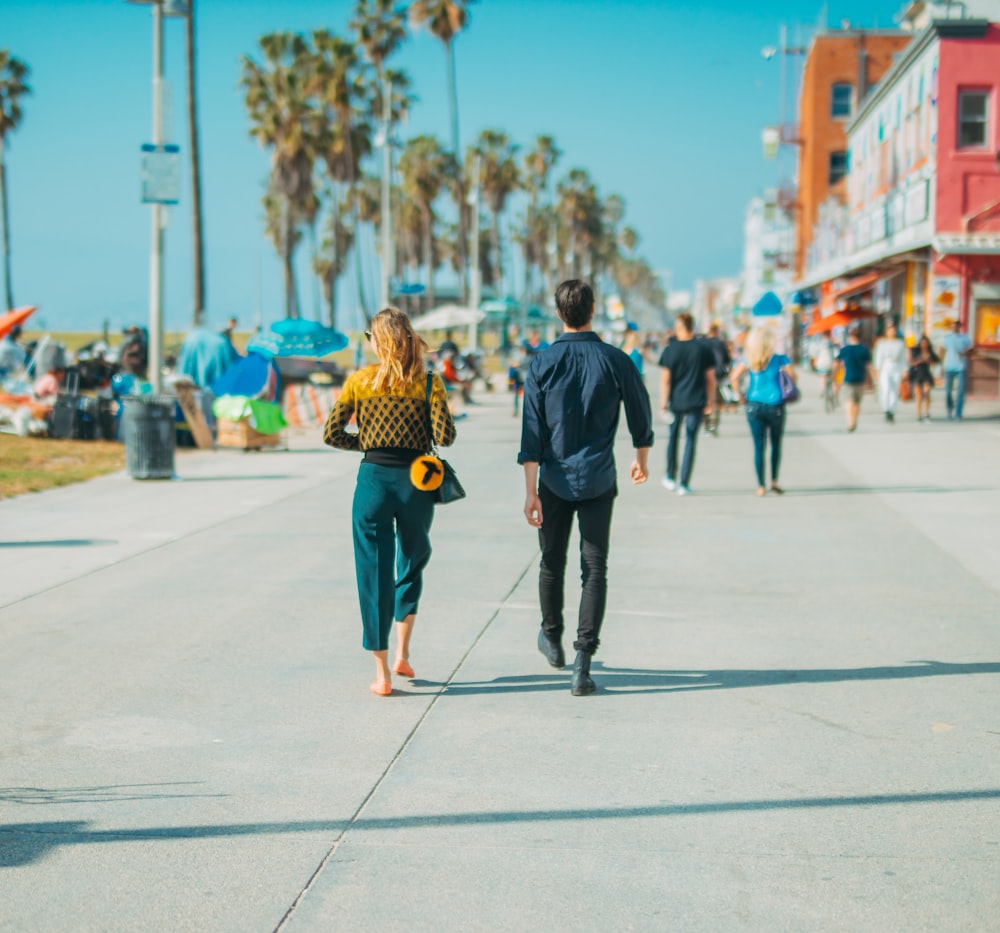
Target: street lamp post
point(161, 8)
point(476, 280)
point(386, 139)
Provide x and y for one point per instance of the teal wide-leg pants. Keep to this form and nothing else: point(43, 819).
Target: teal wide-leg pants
point(392, 545)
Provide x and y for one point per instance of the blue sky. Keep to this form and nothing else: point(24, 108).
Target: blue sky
point(662, 102)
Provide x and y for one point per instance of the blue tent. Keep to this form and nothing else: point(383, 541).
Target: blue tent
point(254, 376)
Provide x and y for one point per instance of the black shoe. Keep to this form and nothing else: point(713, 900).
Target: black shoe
point(553, 650)
point(582, 684)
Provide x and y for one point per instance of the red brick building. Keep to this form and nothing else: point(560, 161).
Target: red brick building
point(840, 69)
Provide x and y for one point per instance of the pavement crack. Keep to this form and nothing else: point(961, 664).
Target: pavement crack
point(402, 748)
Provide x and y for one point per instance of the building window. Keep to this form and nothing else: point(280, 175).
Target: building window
point(841, 101)
point(972, 119)
point(838, 167)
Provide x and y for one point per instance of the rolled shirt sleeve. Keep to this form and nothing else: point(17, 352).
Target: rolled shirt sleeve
point(335, 434)
point(638, 409)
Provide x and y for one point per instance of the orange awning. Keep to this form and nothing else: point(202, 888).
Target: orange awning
point(824, 325)
point(855, 286)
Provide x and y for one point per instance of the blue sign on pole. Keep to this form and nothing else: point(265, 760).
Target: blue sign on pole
point(161, 174)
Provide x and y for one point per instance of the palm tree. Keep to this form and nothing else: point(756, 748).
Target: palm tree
point(285, 119)
point(498, 177)
point(380, 27)
point(539, 226)
point(330, 261)
point(426, 168)
point(579, 213)
point(198, 311)
point(338, 81)
point(14, 76)
point(446, 19)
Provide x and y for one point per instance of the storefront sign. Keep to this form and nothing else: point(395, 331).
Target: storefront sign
point(946, 302)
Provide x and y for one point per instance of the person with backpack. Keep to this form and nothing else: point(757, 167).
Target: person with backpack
point(765, 405)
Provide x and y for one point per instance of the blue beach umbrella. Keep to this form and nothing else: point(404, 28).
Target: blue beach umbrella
point(767, 306)
point(296, 337)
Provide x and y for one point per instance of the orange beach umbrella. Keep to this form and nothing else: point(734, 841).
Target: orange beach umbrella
point(11, 319)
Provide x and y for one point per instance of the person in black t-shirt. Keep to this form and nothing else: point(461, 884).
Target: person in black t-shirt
point(688, 390)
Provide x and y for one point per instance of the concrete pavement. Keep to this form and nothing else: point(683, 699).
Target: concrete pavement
point(796, 725)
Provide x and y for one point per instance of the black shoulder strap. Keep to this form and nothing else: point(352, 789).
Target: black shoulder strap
point(430, 424)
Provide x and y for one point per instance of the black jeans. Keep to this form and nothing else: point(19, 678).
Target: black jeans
point(764, 419)
point(594, 519)
point(691, 421)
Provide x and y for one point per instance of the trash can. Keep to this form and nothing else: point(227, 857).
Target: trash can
point(150, 436)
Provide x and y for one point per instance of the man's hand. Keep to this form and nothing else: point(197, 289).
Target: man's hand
point(533, 510)
point(639, 472)
point(640, 468)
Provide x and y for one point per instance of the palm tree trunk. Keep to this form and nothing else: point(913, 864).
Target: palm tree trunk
point(287, 239)
point(317, 287)
point(9, 289)
point(198, 316)
point(429, 260)
point(495, 237)
point(463, 281)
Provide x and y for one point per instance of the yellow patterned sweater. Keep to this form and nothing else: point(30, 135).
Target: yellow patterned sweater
point(389, 421)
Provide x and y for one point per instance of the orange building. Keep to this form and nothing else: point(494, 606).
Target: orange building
point(839, 70)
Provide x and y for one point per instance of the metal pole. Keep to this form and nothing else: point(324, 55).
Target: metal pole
point(388, 253)
point(476, 291)
point(155, 348)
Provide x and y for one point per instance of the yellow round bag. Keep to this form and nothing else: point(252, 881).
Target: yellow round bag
point(426, 473)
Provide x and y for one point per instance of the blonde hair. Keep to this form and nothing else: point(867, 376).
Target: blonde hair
point(759, 348)
point(400, 351)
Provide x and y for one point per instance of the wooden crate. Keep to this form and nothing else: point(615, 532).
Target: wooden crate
point(239, 434)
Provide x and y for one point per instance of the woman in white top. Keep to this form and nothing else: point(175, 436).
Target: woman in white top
point(890, 363)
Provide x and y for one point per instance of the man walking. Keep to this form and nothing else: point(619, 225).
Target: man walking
point(572, 402)
point(687, 389)
point(856, 360)
point(957, 350)
point(723, 363)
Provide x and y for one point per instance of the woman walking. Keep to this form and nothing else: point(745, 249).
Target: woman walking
point(922, 357)
point(890, 363)
point(765, 407)
point(391, 516)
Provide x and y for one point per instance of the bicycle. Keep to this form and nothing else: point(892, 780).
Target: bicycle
point(830, 393)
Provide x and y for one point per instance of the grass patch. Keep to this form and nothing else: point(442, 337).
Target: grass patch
point(33, 464)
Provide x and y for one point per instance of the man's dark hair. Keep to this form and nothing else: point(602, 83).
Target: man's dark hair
point(575, 302)
point(686, 321)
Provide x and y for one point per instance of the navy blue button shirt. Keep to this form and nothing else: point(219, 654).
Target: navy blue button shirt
point(572, 403)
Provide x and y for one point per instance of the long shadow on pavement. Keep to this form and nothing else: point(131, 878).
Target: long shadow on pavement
point(745, 491)
point(612, 680)
point(24, 843)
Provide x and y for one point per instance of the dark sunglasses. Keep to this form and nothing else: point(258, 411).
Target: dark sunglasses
point(368, 335)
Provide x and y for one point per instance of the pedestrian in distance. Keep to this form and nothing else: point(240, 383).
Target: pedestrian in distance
point(12, 354)
point(723, 363)
point(573, 395)
point(632, 347)
point(890, 364)
point(391, 516)
point(855, 359)
point(764, 404)
point(687, 391)
point(957, 348)
point(922, 358)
